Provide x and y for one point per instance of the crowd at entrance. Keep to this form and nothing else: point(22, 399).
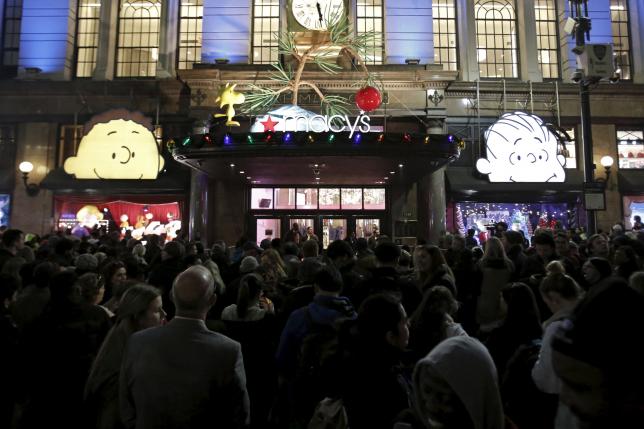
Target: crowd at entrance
point(110, 332)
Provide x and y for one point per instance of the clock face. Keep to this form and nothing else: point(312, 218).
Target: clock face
point(314, 14)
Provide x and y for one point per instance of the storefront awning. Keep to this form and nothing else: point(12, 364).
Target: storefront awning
point(462, 185)
point(631, 182)
point(174, 179)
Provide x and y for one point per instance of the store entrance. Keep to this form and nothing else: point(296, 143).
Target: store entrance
point(325, 227)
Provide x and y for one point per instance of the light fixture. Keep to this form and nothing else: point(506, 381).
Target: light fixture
point(232, 165)
point(401, 165)
point(25, 168)
point(392, 172)
point(242, 172)
point(607, 163)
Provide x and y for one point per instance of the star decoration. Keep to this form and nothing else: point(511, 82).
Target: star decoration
point(269, 124)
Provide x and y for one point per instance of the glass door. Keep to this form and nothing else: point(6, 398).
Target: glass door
point(367, 228)
point(304, 224)
point(267, 228)
point(333, 229)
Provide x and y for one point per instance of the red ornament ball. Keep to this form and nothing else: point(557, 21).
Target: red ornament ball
point(368, 98)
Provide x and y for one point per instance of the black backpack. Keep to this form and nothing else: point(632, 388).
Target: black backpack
point(318, 365)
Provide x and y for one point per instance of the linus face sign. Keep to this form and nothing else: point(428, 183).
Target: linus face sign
point(117, 144)
point(520, 148)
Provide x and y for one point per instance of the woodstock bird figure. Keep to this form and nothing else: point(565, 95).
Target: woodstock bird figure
point(228, 96)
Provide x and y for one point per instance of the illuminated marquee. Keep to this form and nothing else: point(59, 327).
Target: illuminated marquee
point(117, 144)
point(293, 118)
point(521, 148)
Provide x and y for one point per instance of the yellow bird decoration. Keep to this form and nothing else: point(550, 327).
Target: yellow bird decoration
point(228, 96)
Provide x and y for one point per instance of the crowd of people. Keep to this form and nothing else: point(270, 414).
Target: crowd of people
point(107, 331)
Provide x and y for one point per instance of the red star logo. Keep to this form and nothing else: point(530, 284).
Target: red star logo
point(269, 124)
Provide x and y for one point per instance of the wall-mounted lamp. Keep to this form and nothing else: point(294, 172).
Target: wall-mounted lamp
point(25, 168)
point(607, 163)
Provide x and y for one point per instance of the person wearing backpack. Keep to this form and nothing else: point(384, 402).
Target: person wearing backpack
point(376, 386)
point(307, 353)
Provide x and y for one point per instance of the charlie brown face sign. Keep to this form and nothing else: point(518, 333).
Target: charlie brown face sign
point(117, 144)
point(520, 148)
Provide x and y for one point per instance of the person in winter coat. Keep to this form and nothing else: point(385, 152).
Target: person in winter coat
point(456, 387)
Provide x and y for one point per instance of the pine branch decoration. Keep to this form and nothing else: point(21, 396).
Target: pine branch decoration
point(338, 34)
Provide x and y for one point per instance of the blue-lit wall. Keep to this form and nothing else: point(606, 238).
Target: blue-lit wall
point(46, 41)
point(408, 31)
point(226, 30)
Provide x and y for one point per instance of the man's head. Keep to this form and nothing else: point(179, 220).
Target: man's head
point(562, 245)
point(13, 239)
point(511, 239)
point(598, 246)
point(295, 227)
point(544, 244)
point(387, 254)
point(328, 281)
point(340, 252)
point(193, 292)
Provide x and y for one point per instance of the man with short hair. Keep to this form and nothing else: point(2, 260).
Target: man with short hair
point(598, 246)
point(182, 375)
point(12, 241)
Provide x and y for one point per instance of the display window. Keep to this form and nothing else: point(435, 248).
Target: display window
point(307, 198)
point(630, 149)
point(261, 198)
point(333, 229)
point(284, 198)
point(5, 209)
point(633, 206)
point(329, 198)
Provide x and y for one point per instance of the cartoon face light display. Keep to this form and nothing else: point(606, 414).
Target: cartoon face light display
point(520, 148)
point(117, 144)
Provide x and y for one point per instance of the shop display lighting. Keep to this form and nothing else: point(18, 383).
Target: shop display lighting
point(357, 138)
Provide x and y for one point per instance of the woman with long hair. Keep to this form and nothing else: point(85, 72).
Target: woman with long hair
point(432, 269)
point(140, 308)
point(275, 268)
point(251, 303)
point(495, 270)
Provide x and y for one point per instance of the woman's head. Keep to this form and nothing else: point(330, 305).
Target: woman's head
point(596, 269)
point(272, 259)
point(522, 311)
point(382, 321)
point(138, 250)
point(494, 249)
point(559, 290)
point(250, 289)
point(428, 258)
point(114, 274)
point(141, 307)
point(625, 254)
point(92, 287)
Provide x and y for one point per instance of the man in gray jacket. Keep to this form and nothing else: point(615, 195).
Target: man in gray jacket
point(182, 375)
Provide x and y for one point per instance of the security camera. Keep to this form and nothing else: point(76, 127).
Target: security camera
point(569, 26)
point(577, 76)
point(615, 77)
point(316, 171)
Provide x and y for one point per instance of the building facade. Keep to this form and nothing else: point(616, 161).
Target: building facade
point(444, 67)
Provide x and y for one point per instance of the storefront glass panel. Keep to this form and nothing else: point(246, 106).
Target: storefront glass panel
point(630, 149)
point(261, 198)
point(333, 229)
point(268, 229)
point(633, 206)
point(307, 198)
point(374, 198)
point(367, 228)
point(303, 224)
point(284, 198)
point(5, 206)
point(351, 198)
point(329, 198)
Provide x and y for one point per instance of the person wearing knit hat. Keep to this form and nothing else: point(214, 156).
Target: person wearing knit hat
point(248, 264)
point(598, 354)
point(86, 263)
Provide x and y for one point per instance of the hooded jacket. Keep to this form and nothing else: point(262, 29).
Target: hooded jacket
point(467, 367)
